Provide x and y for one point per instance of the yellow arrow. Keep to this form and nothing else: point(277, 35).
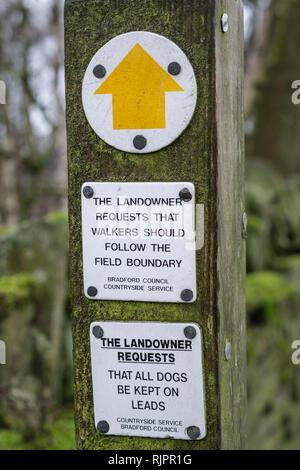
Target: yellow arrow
point(138, 86)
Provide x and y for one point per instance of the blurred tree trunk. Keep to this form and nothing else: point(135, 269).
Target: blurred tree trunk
point(33, 173)
point(275, 118)
point(255, 53)
point(33, 293)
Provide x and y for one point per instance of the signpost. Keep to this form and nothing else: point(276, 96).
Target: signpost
point(155, 134)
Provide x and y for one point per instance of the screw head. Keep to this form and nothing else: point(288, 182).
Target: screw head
point(245, 223)
point(174, 68)
point(92, 291)
point(187, 295)
point(193, 432)
point(103, 427)
point(185, 195)
point(225, 22)
point(98, 331)
point(140, 142)
point(99, 71)
point(228, 351)
point(190, 332)
point(88, 192)
point(245, 220)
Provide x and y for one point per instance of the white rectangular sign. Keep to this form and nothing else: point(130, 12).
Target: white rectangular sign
point(139, 241)
point(148, 379)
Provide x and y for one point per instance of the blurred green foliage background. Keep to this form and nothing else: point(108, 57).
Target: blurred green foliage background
point(36, 383)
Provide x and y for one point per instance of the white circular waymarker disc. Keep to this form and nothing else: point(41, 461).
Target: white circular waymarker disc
point(138, 106)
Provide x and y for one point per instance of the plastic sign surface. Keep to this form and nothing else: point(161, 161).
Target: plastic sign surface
point(139, 241)
point(148, 379)
point(139, 92)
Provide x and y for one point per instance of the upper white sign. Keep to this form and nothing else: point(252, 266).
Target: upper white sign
point(148, 379)
point(139, 92)
point(139, 241)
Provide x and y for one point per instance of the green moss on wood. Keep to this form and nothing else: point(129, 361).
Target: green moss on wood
point(89, 24)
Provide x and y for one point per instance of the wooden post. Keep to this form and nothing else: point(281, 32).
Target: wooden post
point(210, 154)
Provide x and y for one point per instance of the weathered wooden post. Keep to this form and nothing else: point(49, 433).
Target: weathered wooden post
point(130, 94)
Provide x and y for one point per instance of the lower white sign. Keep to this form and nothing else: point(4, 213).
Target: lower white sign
point(139, 241)
point(148, 379)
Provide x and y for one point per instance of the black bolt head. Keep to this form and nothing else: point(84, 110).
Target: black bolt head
point(98, 331)
point(99, 71)
point(190, 332)
point(92, 291)
point(88, 192)
point(140, 142)
point(193, 432)
point(103, 427)
point(185, 195)
point(174, 68)
point(187, 295)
